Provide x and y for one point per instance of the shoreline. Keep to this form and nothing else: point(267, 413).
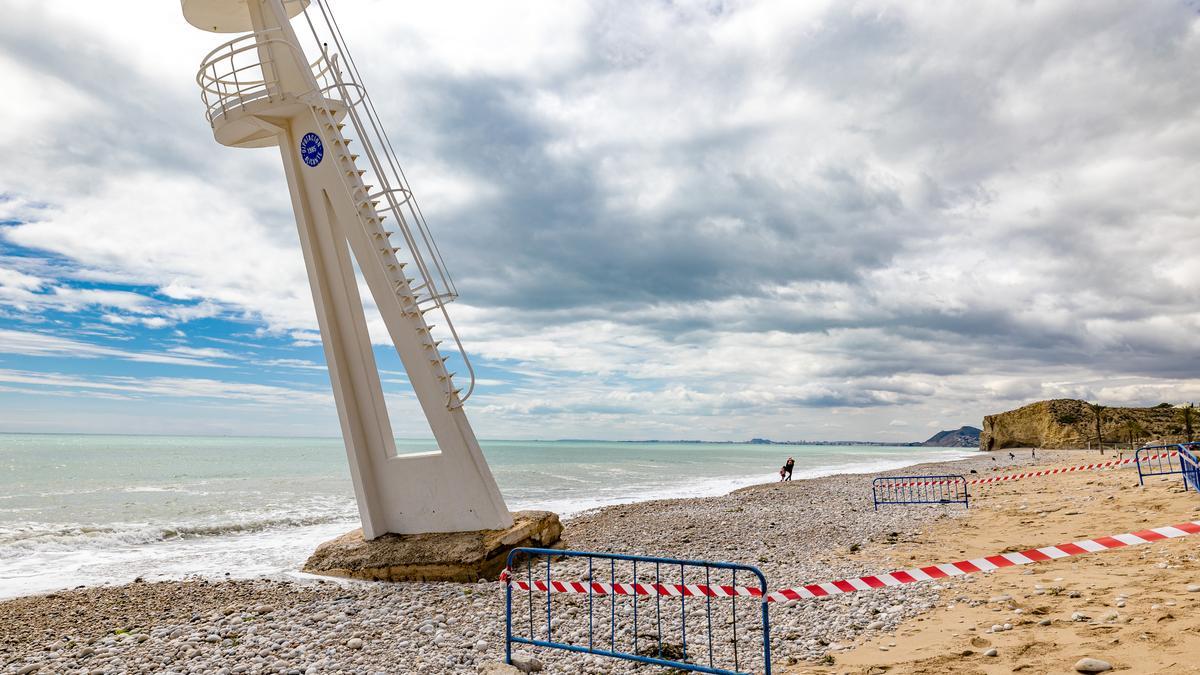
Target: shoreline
point(245, 548)
point(784, 528)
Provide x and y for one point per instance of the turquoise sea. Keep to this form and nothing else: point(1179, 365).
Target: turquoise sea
point(80, 509)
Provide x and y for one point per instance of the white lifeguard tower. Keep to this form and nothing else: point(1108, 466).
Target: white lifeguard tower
point(263, 89)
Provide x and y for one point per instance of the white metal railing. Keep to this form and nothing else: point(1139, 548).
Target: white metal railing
point(431, 279)
point(239, 73)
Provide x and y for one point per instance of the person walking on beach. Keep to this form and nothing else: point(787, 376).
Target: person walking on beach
point(786, 472)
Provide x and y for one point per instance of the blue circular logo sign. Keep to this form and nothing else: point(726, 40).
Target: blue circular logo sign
point(312, 151)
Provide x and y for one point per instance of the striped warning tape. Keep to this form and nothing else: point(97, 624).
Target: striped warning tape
point(599, 588)
point(1044, 472)
point(987, 564)
point(895, 578)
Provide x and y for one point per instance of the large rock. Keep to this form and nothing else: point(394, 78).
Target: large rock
point(435, 556)
point(1068, 423)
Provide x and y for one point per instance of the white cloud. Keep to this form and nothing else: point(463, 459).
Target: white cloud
point(171, 387)
point(701, 220)
point(28, 343)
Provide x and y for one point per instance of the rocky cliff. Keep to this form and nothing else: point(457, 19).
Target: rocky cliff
point(1068, 423)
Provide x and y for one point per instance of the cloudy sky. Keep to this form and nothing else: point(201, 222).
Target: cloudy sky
point(719, 220)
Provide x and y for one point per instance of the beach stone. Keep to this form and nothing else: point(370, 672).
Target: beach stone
point(1193, 588)
point(991, 652)
point(433, 556)
point(1080, 616)
point(31, 668)
point(493, 668)
point(526, 663)
point(1090, 665)
point(354, 643)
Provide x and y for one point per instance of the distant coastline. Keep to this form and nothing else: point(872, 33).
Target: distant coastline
point(962, 437)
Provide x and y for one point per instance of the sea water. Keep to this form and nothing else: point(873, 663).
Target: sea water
point(85, 510)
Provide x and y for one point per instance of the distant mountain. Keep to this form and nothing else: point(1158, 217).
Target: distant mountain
point(963, 437)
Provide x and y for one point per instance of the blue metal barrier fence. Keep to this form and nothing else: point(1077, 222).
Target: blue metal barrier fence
point(1159, 460)
point(1191, 466)
point(920, 490)
point(614, 627)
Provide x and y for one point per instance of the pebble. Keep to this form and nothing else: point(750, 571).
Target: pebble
point(1080, 616)
point(243, 627)
point(526, 663)
point(991, 652)
point(1090, 665)
point(1193, 588)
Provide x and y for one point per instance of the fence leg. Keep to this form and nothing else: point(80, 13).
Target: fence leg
point(508, 621)
point(766, 623)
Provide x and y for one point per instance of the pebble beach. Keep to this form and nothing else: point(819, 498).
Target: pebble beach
point(798, 532)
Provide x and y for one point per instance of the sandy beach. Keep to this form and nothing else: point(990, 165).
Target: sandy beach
point(1136, 608)
point(799, 532)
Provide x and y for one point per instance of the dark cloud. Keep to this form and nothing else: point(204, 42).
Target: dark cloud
point(871, 201)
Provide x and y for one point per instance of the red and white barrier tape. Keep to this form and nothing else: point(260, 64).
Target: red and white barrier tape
point(895, 578)
point(1045, 472)
point(987, 564)
point(599, 588)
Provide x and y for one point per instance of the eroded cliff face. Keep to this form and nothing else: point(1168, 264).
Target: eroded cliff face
point(1068, 423)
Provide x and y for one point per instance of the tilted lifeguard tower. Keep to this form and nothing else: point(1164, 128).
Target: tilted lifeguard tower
point(263, 89)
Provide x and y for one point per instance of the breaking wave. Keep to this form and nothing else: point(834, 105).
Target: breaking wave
point(25, 538)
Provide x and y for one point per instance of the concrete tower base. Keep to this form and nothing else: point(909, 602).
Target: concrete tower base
point(434, 556)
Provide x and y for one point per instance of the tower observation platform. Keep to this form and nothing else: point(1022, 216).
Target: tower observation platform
point(286, 79)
